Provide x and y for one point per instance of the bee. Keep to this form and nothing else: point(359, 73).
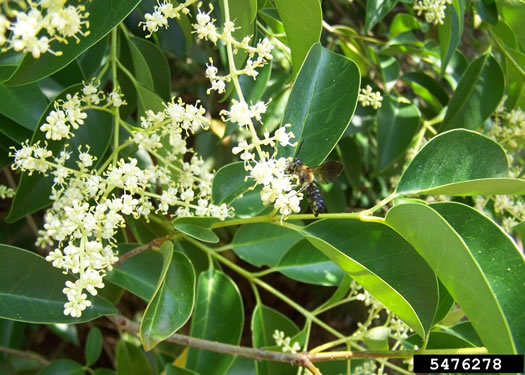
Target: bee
point(308, 177)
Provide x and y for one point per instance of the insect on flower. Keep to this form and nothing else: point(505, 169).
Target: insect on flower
point(308, 177)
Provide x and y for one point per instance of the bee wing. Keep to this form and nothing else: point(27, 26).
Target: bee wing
point(328, 172)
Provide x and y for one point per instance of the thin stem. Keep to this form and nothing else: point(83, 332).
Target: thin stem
point(26, 354)
point(116, 111)
point(150, 245)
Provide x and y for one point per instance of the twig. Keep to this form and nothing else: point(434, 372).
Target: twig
point(23, 353)
point(154, 243)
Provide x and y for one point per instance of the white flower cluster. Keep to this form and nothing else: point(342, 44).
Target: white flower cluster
point(367, 97)
point(90, 205)
point(42, 23)
point(283, 341)
point(6, 192)
point(508, 128)
point(70, 113)
point(511, 208)
point(434, 10)
point(162, 13)
point(206, 29)
point(367, 368)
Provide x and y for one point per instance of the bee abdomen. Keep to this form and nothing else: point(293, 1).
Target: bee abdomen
point(316, 199)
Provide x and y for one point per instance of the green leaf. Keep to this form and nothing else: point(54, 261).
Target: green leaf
point(303, 262)
point(476, 261)
point(389, 70)
point(487, 10)
point(461, 335)
point(242, 366)
point(91, 59)
point(403, 22)
point(131, 360)
point(103, 17)
point(321, 104)
point(377, 338)
point(24, 297)
point(33, 191)
point(229, 182)
point(450, 31)
point(197, 227)
point(253, 89)
point(68, 333)
point(379, 259)
point(478, 94)
point(350, 156)
point(171, 305)
point(93, 346)
point(15, 133)
point(23, 105)
point(265, 321)
point(63, 367)
point(459, 162)
point(513, 13)
point(445, 304)
point(158, 66)
point(141, 68)
point(397, 123)
point(376, 10)
point(138, 274)
point(218, 316)
point(263, 243)
point(174, 370)
point(429, 84)
point(515, 78)
point(302, 20)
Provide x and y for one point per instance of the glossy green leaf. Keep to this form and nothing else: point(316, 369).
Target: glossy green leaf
point(24, 297)
point(478, 94)
point(459, 162)
point(350, 157)
point(90, 61)
point(461, 335)
point(445, 304)
point(33, 191)
point(389, 70)
point(141, 68)
point(24, 104)
point(428, 83)
point(138, 274)
point(93, 346)
point(321, 104)
point(171, 305)
point(403, 22)
point(263, 243)
point(376, 10)
point(197, 227)
point(513, 13)
point(378, 258)
point(303, 262)
point(265, 321)
point(476, 261)
point(249, 204)
point(451, 31)
point(174, 370)
point(131, 360)
point(158, 66)
point(515, 78)
point(242, 366)
point(218, 316)
point(14, 133)
point(63, 367)
point(229, 182)
point(103, 17)
point(397, 123)
point(302, 20)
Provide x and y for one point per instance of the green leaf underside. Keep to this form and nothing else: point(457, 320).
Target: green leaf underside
point(218, 316)
point(383, 263)
point(31, 290)
point(197, 227)
point(303, 262)
point(172, 304)
point(33, 191)
point(264, 243)
point(302, 20)
point(455, 156)
point(131, 360)
point(478, 94)
point(138, 274)
point(321, 104)
point(265, 321)
point(479, 265)
point(104, 16)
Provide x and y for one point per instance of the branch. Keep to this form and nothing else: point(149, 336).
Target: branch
point(305, 359)
point(154, 243)
point(26, 354)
